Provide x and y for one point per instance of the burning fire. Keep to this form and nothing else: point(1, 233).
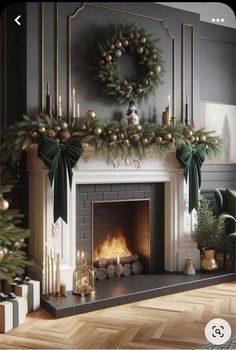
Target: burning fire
point(112, 247)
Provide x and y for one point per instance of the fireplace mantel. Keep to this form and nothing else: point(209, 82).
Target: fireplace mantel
point(91, 170)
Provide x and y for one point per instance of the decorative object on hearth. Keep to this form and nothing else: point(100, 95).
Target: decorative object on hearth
point(208, 233)
point(132, 114)
point(63, 289)
point(83, 278)
point(188, 267)
point(13, 258)
point(117, 41)
point(191, 160)
point(209, 263)
point(60, 158)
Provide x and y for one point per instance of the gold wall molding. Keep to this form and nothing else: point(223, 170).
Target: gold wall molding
point(42, 57)
point(108, 8)
point(56, 56)
point(184, 25)
point(203, 37)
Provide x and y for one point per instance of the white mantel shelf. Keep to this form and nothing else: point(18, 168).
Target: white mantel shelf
point(92, 170)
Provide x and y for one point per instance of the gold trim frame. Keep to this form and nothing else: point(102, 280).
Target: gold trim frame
point(192, 68)
point(118, 201)
point(163, 25)
point(42, 57)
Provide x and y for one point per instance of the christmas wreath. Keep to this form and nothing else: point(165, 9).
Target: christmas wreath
point(121, 39)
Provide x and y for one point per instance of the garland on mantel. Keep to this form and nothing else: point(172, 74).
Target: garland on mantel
point(111, 139)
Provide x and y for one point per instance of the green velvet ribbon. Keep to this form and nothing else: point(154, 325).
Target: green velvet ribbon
point(191, 160)
point(60, 158)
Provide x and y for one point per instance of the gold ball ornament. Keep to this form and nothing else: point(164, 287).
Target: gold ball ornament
point(65, 135)
point(5, 251)
point(113, 137)
point(118, 44)
point(90, 113)
point(145, 141)
point(139, 127)
point(63, 125)
point(142, 39)
point(1, 254)
point(190, 133)
point(150, 73)
point(4, 205)
point(203, 138)
point(168, 136)
point(108, 58)
point(139, 49)
point(112, 47)
point(118, 53)
point(192, 139)
point(121, 136)
point(216, 141)
point(41, 130)
point(126, 141)
point(196, 138)
point(97, 131)
point(158, 69)
point(158, 139)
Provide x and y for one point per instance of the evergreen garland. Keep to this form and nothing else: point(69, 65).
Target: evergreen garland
point(120, 39)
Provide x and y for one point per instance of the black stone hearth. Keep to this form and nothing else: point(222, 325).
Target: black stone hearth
point(126, 290)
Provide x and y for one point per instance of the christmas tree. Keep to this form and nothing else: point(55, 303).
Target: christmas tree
point(13, 258)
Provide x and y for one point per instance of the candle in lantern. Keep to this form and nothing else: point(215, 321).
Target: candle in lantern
point(118, 259)
point(78, 257)
point(73, 104)
point(78, 111)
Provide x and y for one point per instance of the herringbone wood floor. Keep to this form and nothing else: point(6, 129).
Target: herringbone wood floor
point(174, 321)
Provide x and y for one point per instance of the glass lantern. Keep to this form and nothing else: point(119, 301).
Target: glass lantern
point(83, 279)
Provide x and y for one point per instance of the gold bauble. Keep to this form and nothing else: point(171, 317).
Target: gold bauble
point(1, 254)
point(142, 39)
point(90, 113)
point(34, 134)
point(139, 49)
point(145, 141)
point(196, 138)
point(150, 73)
point(118, 44)
point(112, 47)
point(108, 57)
point(121, 136)
point(139, 127)
point(158, 69)
point(190, 133)
point(168, 136)
point(203, 138)
point(4, 205)
point(41, 130)
point(65, 135)
point(109, 132)
point(192, 139)
point(97, 131)
point(154, 57)
point(126, 141)
point(158, 139)
point(113, 137)
point(5, 251)
point(216, 141)
point(63, 125)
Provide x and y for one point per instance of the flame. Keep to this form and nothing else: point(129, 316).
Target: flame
point(112, 247)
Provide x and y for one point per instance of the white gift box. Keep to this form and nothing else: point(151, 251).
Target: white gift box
point(6, 316)
point(12, 313)
point(30, 291)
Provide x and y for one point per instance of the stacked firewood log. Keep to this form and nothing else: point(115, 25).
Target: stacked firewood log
point(109, 268)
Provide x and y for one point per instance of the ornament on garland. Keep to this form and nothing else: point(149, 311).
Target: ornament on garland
point(4, 205)
point(121, 39)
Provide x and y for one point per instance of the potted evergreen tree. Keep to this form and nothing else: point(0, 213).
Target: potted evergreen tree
point(208, 233)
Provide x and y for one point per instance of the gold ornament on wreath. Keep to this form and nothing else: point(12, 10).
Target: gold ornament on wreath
point(119, 40)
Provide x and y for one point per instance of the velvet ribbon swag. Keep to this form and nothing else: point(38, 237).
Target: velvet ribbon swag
point(191, 160)
point(60, 158)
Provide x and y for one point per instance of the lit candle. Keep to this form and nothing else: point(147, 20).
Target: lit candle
point(59, 107)
point(118, 259)
point(78, 112)
point(82, 254)
point(73, 105)
point(58, 275)
point(78, 257)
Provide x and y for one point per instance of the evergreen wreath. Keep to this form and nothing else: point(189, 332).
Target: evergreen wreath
point(120, 39)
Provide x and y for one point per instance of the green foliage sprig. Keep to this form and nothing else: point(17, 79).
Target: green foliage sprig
point(116, 41)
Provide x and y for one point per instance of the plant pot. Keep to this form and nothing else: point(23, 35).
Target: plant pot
point(209, 263)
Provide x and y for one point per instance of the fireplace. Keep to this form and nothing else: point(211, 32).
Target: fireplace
point(154, 183)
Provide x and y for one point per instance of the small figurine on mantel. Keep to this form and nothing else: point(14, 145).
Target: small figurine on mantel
point(188, 267)
point(132, 114)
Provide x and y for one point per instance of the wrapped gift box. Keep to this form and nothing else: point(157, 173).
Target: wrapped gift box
point(12, 312)
point(30, 290)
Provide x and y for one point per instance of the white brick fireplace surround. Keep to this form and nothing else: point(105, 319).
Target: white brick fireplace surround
point(62, 237)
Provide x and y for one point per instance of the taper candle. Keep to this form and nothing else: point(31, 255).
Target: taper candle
point(63, 289)
point(52, 267)
point(48, 268)
point(78, 257)
point(186, 111)
point(78, 111)
point(73, 104)
point(59, 107)
point(46, 272)
point(48, 102)
point(58, 275)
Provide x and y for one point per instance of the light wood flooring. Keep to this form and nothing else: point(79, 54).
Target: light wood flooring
point(174, 321)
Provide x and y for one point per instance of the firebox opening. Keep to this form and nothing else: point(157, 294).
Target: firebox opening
point(121, 231)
